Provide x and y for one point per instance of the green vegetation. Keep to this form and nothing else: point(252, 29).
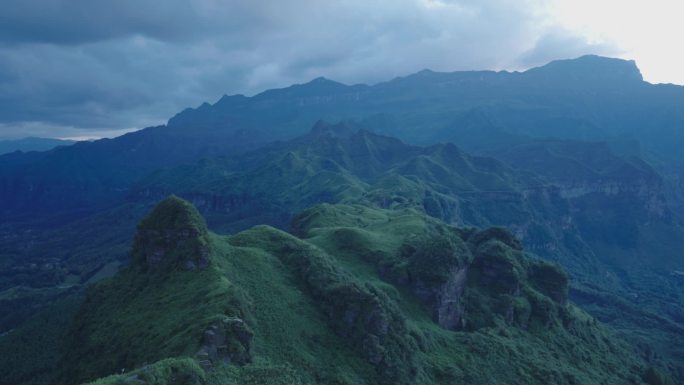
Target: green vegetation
point(170, 371)
point(30, 354)
point(594, 235)
point(43, 266)
point(475, 306)
point(173, 236)
point(145, 314)
point(362, 313)
point(363, 296)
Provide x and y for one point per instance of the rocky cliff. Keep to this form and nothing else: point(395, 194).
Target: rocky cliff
point(173, 235)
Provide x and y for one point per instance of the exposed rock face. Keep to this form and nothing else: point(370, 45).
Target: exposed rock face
point(173, 235)
point(601, 194)
point(437, 271)
point(445, 299)
point(645, 191)
point(450, 306)
point(467, 288)
point(228, 340)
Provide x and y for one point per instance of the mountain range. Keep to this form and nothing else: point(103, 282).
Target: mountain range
point(474, 215)
point(31, 144)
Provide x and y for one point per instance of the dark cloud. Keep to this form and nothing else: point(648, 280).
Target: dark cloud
point(102, 65)
point(73, 22)
point(84, 21)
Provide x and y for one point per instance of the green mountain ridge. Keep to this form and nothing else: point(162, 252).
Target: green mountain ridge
point(361, 297)
point(344, 164)
point(600, 215)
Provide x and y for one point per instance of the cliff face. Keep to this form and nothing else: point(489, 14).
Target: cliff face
point(607, 196)
point(494, 281)
point(646, 194)
point(586, 170)
point(613, 210)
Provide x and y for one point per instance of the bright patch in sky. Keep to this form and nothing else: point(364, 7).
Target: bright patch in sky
point(649, 32)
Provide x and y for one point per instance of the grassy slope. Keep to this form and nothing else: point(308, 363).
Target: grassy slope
point(295, 294)
point(582, 352)
point(137, 318)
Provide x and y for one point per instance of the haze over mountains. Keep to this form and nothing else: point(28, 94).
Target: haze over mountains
point(31, 144)
point(579, 159)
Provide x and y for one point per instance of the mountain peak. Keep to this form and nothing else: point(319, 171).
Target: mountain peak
point(588, 70)
point(174, 234)
point(341, 129)
point(425, 72)
point(322, 84)
point(321, 80)
point(174, 213)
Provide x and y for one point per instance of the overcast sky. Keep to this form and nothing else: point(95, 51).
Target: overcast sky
point(93, 68)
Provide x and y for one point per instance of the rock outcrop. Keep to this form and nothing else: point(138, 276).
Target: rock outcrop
point(503, 283)
point(437, 272)
point(173, 235)
point(450, 306)
point(469, 280)
point(227, 340)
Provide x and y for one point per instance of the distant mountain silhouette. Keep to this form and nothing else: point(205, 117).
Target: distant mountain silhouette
point(31, 144)
point(589, 98)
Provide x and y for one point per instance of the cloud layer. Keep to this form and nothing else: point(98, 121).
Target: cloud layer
point(68, 66)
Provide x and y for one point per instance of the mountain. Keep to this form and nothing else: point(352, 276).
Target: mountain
point(579, 159)
point(542, 190)
point(603, 216)
point(32, 144)
point(74, 181)
point(589, 98)
point(402, 298)
point(593, 71)
point(568, 201)
point(335, 164)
